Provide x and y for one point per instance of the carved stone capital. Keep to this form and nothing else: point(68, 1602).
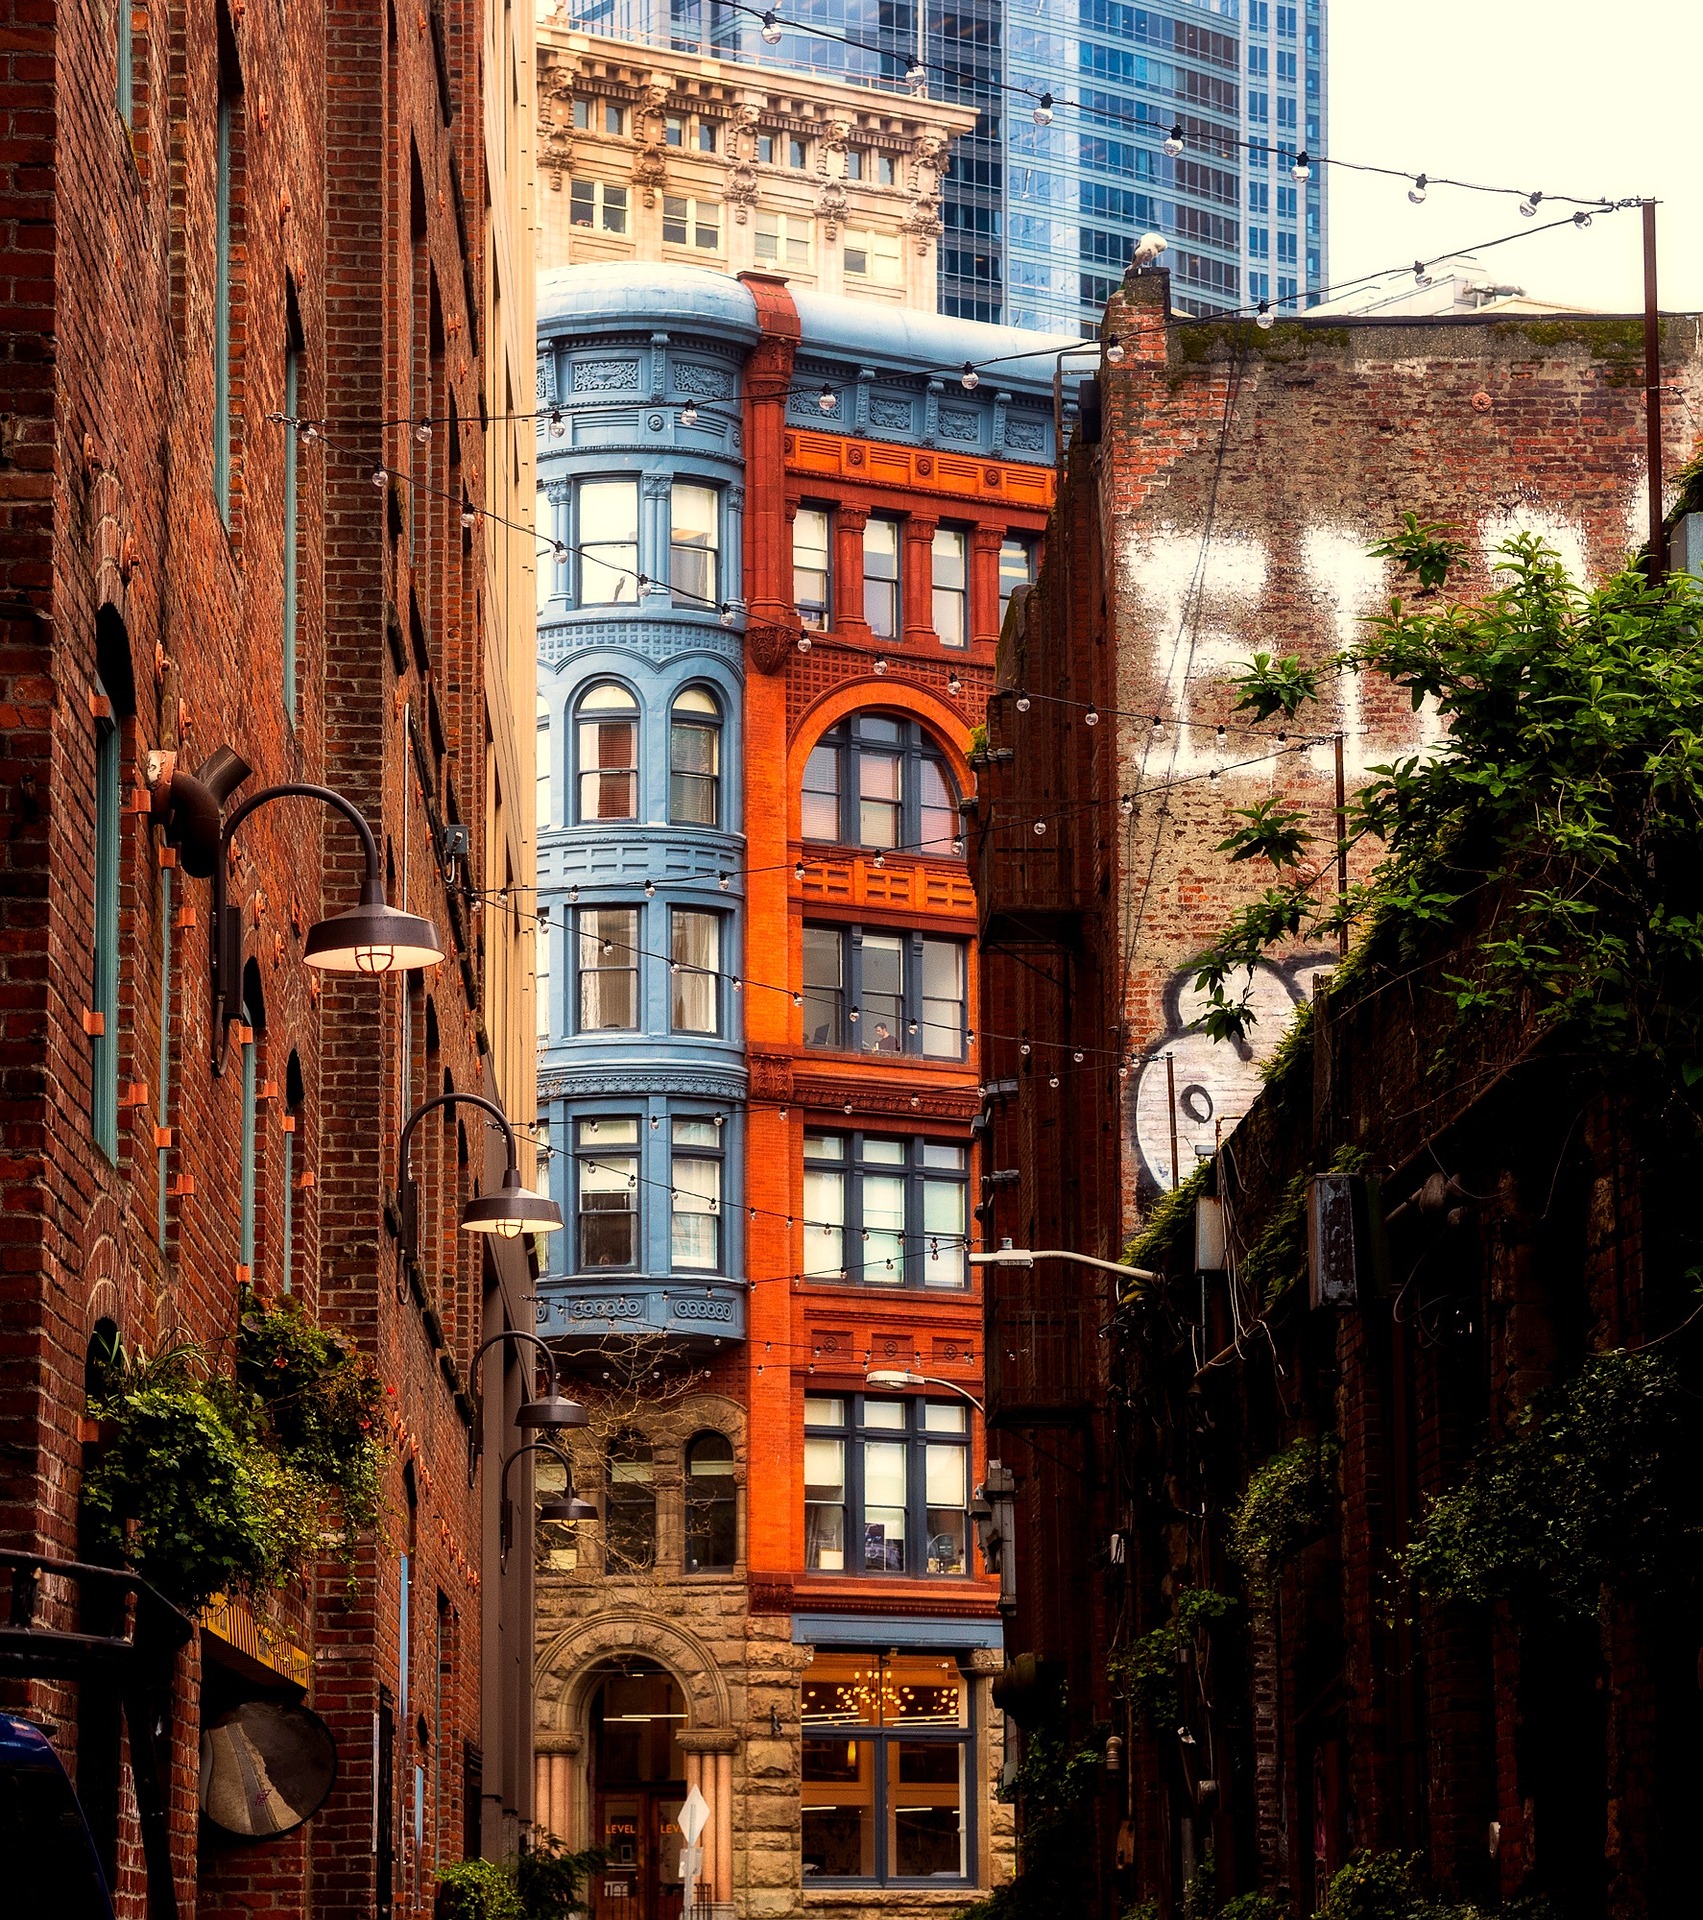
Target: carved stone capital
point(769, 644)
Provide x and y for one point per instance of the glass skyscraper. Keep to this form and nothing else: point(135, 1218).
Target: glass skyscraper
point(1040, 219)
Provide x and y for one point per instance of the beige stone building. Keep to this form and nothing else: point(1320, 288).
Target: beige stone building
point(647, 154)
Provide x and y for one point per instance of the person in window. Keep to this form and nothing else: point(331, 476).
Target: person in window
point(882, 1041)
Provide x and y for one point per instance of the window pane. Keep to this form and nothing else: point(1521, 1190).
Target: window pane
point(883, 1255)
point(608, 781)
point(882, 997)
point(696, 958)
point(821, 809)
point(823, 997)
point(810, 566)
point(673, 220)
point(842, 1689)
point(943, 1222)
point(886, 1153)
point(824, 1503)
point(944, 1416)
point(694, 762)
point(886, 1414)
point(608, 968)
point(837, 1808)
point(884, 1478)
point(925, 1798)
point(608, 1210)
point(609, 542)
point(945, 1475)
point(880, 813)
point(692, 544)
point(824, 1146)
point(943, 999)
point(923, 1692)
point(712, 1505)
point(824, 1412)
point(824, 1221)
point(881, 577)
point(1016, 569)
point(949, 596)
point(937, 810)
point(697, 1212)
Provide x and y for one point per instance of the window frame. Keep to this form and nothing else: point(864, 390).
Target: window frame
point(816, 616)
point(917, 1253)
point(583, 1150)
point(848, 742)
point(693, 222)
point(715, 974)
point(853, 936)
point(883, 254)
point(789, 229)
point(630, 964)
point(693, 1568)
point(581, 549)
point(104, 971)
point(1027, 544)
point(715, 1155)
point(881, 1737)
point(602, 206)
point(716, 728)
point(584, 717)
point(950, 597)
point(891, 586)
point(643, 1454)
point(915, 1437)
point(693, 600)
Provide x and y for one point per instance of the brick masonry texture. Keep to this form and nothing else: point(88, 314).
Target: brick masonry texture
point(1224, 506)
point(356, 190)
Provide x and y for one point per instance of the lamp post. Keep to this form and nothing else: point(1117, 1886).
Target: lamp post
point(512, 1210)
point(566, 1505)
point(373, 937)
point(553, 1411)
point(900, 1377)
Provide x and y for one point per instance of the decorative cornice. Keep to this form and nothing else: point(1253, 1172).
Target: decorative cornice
point(935, 1103)
point(653, 634)
point(608, 1081)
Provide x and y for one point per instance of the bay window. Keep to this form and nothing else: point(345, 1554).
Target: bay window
point(694, 760)
point(695, 1192)
point(607, 529)
point(608, 753)
point(886, 1485)
point(885, 1212)
point(695, 971)
point(608, 969)
point(606, 1175)
point(869, 990)
point(694, 545)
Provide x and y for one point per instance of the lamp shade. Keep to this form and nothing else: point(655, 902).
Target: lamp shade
point(372, 938)
point(559, 1506)
point(551, 1411)
point(511, 1211)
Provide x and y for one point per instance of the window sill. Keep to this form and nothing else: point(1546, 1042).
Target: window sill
point(943, 1893)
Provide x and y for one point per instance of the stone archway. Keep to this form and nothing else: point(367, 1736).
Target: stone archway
point(567, 1674)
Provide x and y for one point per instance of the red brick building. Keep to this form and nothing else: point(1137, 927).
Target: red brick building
point(1220, 499)
point(218, 222)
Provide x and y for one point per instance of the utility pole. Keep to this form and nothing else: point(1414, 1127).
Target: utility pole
point(1653, 396)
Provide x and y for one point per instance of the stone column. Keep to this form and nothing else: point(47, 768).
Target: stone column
point(845, 590)
point(709, 1767)
point(984, 582)
point(916, 578)
point(556, 1781)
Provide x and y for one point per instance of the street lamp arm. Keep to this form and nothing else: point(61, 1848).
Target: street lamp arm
point(305, 790)
point(496, 1340)
point(452, 1100)
point(1027, 1256)
point(534, 1446)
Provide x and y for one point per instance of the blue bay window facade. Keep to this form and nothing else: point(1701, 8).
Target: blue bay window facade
point(641, 888)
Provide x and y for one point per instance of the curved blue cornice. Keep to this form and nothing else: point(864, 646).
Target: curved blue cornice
point(643, 294)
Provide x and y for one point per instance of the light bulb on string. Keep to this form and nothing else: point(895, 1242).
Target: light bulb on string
point(422, 432)
point(916, 78)
point(1115, 352)
point(798, 870)
point(558, 426)
point(1264, 318)
point(771, 29)
point(1044, 110)
point(728, 616)
point(881, 665)
point(1173, 141)
point(1022, 703)
point(1077, 1056)
point(827, 400)
point(1040, 827)
point(1126, 806)
point(1416, 193)
point(379, 478)
point(307, 432)
point(1530, 204)
point(1303, 167)
point(721, 881)
point(804, 643)
point(1092, 717)
point(1420, 277)
point(1052, 1079)
point(1581, 219)
point(689, 414)
point(468, 516)
point(969, 379)
point(953, 684)
point(650, 889)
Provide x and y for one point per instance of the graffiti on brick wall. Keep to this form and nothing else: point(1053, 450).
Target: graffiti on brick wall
point(1216, 1080)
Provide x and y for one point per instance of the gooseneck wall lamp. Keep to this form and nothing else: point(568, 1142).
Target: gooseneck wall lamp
point(566, 1505)
point(550, 1413)
point(512, 1210)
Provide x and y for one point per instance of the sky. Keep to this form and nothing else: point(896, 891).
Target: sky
point(1604, 98)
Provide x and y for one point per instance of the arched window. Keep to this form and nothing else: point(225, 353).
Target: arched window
point(712, 1505)
point(694, 760)
point(253, 1026)
point(629, 1523)
point(546, 791)
point(877, 780)
point(608, 753)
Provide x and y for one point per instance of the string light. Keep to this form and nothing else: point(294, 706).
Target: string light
point(1092, 717)
point(558, 426)
point(379, 477)
point(1173, 141)
point(689, 414)
point(422, 432)
point(969, 379)
point(1416, 193)
point(827, 400)
point(1420, 277)
point(1264, 318)
point(771, 30)
point(1115, 352)
point(1303, 167)
point(954, 685)
point(1044, 111)
point(804, 643)
point(728, 615)
point(1530, 204)
point(1040, 827)
point(916, 78)
point(880, 665)
point(1022, 703)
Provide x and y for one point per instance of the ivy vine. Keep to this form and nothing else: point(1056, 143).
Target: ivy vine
point(1146, 1670)
point(208, 1483)
point(1287, 1503)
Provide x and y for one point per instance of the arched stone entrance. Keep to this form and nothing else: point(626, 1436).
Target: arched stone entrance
point(632, 1714)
